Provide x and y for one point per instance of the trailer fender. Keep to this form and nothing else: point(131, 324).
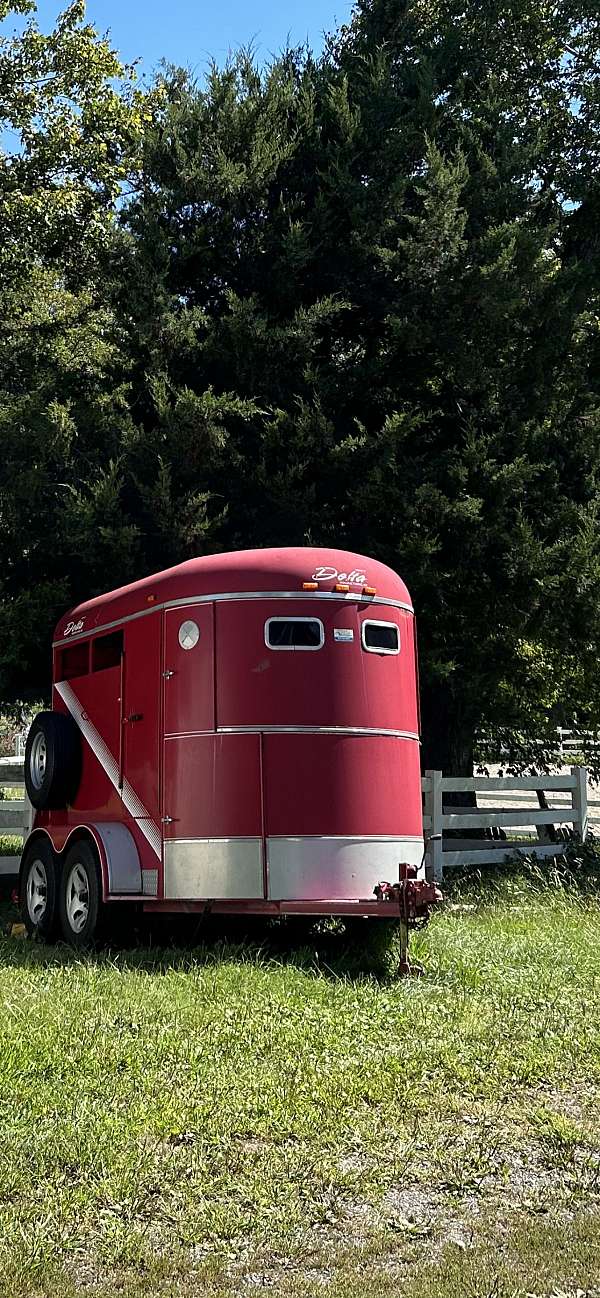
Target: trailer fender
point(120, 868)
point(31, 838)
point(123, 869)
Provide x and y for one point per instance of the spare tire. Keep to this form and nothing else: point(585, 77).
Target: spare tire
point(52, 760)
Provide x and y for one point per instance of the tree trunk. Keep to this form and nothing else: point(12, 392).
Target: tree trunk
point(448, 739)
point(448, 744)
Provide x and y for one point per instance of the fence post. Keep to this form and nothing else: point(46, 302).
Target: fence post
point(434, 808)
point(28, 814)
point(579, 800)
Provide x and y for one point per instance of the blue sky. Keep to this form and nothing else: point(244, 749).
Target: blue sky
point(189, 32)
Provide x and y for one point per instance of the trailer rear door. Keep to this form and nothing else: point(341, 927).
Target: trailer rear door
point(188, 672)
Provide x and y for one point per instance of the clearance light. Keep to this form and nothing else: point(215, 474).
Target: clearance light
point(342, 585)
point(310, 585)
point(151, 599)
point(369, 590)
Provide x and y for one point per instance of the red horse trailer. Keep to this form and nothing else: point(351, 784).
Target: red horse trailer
point(237, 733)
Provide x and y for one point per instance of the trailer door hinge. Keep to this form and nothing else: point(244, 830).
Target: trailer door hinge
point(167, 675)
point(167, 820)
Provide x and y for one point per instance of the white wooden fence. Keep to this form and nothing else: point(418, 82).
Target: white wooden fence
point(15, 814)
point(574, 741)
point(569, 743)
point(445, 853)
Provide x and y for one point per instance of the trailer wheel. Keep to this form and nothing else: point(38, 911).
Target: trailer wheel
point(52, 760)
point(79, 899)
point(37, 889)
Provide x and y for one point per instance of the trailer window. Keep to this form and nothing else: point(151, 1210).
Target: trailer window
point(381, 637)
point(294, 633)
point(107, 651)
point(73, 661)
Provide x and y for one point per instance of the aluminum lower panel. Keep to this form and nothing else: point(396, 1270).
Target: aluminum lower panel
point(307, 869)
point(213, 868)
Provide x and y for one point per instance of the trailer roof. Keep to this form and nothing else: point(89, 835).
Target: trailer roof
point(239, 572)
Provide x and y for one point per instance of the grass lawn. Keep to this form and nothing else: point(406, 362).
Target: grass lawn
point(10, 845)
point(226, 1120)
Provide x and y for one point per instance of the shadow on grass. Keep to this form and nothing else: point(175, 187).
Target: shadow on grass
point(161, 943)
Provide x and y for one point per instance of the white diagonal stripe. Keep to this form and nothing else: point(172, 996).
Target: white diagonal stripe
point(108, 763)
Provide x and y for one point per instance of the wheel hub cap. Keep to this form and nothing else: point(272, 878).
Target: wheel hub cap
point(37, 761)
point(78, 901)
point(37, 891)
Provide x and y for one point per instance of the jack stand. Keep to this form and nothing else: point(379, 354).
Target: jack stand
point(405, 968)
point(415, 899)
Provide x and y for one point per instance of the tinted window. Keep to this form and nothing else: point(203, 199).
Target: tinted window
point(73, 661)
point(381, 637)
point(107, 651)
point(294, 633)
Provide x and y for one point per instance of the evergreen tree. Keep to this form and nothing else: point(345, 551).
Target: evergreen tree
point(71, 122)
point(351, 300)
point(480, 122)
point(390, 257)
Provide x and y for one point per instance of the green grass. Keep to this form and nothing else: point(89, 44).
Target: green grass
point(227, 1119)
point(11, 844)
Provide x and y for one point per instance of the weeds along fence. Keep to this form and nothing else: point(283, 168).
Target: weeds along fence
point(511, 813)
point(524, 813)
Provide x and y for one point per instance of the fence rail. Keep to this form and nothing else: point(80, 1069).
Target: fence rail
point(568, 816)
point(15, 813)
point(567, 743)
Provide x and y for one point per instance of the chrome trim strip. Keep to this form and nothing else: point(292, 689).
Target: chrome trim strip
point(345, 838)
point(219, 838)
point(190, 734)
point(125, 896)
point(314, 730)
point(224, 597)
point(295, 730)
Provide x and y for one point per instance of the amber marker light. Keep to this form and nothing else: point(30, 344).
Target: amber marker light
point(342, 585)
point(369, 590)
point(310, 585)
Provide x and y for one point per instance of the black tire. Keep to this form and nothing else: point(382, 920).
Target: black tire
point(52, 761)
point(79, 895)
point(38, 880)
